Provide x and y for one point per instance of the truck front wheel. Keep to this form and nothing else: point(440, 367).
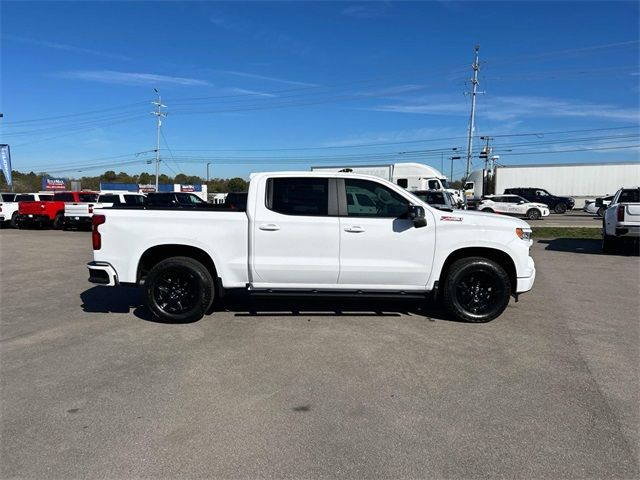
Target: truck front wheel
point(476, 290)
point(179, 290)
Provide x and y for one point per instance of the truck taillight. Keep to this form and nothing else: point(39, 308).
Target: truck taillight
point(621, 213)
point(95, 234)
point(90, 208)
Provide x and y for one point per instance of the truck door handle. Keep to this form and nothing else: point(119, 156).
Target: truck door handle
point(269, 227)
point(354, 229)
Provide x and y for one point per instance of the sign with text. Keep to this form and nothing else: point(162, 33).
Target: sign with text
point(187, 188)
point(146, 188)
point(49, 183)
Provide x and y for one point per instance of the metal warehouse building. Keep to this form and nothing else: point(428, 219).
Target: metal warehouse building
point(578, 180)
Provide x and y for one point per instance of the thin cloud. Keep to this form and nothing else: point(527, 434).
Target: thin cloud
point(66, 48)
point(132, 78)
point(244, 91)
point(269, 79)
point(372, 10)
point(509, 108)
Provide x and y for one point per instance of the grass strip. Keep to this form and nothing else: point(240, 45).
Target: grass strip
point(566, 232)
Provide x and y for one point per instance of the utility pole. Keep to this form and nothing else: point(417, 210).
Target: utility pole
point(208, 163)
point(474, 92)
point(159, 115)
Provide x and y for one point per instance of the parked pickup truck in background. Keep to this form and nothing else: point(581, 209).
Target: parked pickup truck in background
point(44, 213)
point(6, 210)
point(77, 215)
point(621, 220)
point(10, 208)
point(299, 235)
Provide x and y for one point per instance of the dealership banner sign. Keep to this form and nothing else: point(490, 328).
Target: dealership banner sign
point(187, 188)
point(49, 183)
point(5, 159)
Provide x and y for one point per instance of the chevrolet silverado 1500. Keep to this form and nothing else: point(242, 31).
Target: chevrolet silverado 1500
point(301, 234)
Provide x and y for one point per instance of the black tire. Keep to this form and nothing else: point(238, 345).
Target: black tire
point(600, 212)
point(14, 220)
point(476, 290)
point(609, 243)
point(560, 208)
point(58, 221)
point(179, 290)
point(534, 214)
point(487, 210)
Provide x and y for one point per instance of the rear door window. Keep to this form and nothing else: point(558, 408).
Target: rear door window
point(109, 198)
point(134, 199)
point(63, 197)
point(88, 197)
point(24, 198)
point(298, 196)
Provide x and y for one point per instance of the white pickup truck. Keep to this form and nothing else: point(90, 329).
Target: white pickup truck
point(301, 235)
point(10, 208)
point(621, 220)
point(77, 215)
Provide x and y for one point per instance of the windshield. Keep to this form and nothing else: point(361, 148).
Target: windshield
point(444, 183)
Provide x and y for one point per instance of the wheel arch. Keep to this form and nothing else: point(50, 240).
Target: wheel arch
point(157, 253)
point(500, 257)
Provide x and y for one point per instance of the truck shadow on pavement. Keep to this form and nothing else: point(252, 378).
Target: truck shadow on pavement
point(587, 245)
point(125, 299)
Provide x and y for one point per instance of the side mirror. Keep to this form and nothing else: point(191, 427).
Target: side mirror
point(521, 202)
point(417, 214)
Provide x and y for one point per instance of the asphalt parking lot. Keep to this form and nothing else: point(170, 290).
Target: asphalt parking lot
point(93, 387)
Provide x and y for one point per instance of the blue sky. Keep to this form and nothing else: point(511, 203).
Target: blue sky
point(246, 84)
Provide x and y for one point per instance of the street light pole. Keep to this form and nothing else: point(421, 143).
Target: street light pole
point(209, 163)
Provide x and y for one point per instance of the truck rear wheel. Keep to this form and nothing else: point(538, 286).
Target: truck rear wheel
point(609, 243)
point(487, 210)
point(14, 220)
point(476, 290)
point(179, 290)
point(58, 221)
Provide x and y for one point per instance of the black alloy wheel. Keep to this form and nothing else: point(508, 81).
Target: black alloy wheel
point(477, 289)
point(179, 289)
point(561, 208)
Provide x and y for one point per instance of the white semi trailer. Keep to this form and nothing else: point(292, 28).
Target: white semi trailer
point(576, 180)
point(410, 176)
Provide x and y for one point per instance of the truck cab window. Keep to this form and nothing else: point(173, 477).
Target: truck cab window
point(403, 182)
point(434, 185)
point(374, 200)
point(298, 196)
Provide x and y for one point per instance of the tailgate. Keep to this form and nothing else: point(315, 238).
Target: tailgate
point(632, 212)
point(76, 210)
point(30, 208)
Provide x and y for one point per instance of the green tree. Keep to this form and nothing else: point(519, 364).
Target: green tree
point(144, 178)
point(237, 185)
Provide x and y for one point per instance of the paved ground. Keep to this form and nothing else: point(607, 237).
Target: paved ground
point(93, 388)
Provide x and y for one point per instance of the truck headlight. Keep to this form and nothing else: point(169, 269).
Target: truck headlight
point(523, 234)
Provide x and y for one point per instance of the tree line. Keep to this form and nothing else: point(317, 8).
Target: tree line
point(32, 182)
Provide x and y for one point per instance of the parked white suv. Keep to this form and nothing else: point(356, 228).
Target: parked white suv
point(513, 205)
